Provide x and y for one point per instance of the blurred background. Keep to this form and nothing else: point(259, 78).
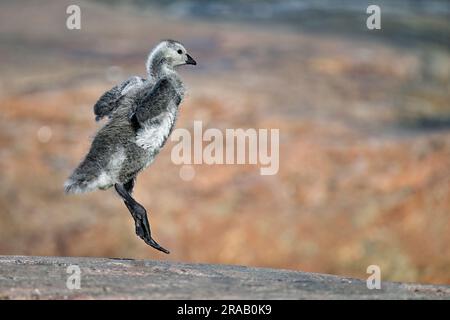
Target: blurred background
point(364, 119)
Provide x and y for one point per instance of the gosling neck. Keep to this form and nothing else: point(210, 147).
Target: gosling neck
point(158, 67)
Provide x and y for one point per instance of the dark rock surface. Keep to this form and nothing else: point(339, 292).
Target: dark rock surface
point(101, 278)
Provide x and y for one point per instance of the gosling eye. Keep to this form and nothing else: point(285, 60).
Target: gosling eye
point(180, 51)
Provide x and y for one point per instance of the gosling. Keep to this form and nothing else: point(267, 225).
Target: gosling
point(142, 114)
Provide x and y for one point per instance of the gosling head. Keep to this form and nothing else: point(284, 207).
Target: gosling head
point(169, 54)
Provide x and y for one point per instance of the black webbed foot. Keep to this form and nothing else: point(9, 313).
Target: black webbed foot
point(139, 215)
point(143, 227)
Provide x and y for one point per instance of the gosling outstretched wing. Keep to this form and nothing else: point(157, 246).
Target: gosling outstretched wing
point(155, 102)
point(109, 101)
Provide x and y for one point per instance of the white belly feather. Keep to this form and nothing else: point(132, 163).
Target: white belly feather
point(153, 135)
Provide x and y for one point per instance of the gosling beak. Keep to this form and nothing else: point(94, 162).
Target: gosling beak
point(190, 60)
